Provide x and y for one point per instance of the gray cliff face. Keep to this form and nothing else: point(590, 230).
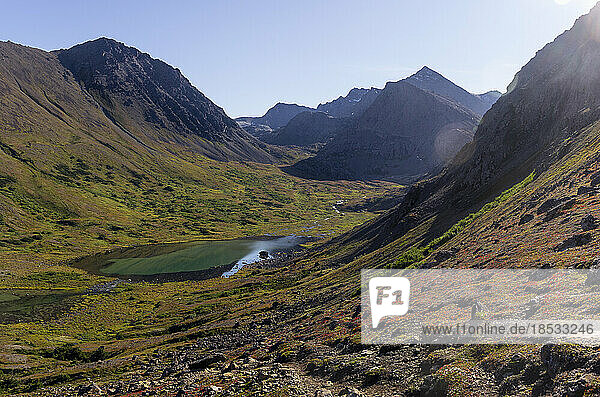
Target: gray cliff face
point(352, 105)
point(430, 80)
point(404, 134)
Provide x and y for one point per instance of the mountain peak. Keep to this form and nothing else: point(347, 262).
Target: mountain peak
point(155, 99)
point(429, 80)
point(405, 133)
point(426, 69)
point(104, 39)
point(428, 73)
point(101, 42)
point(352, 105)
point(286, 104)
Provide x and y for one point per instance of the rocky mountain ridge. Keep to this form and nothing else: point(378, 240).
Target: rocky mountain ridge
point(352, 105)
point(430, 80)
point(314, 128)
point(406, 133)
point(155, 102)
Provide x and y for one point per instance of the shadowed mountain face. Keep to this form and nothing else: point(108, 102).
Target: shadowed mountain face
point(317, 129)
point(546, 124)
point(155, 103)
point(290, 124)
point(490, 97)
point(276, 117)
point(352, 105)
point(405, 133)
point(430, 80)
point(308, 128)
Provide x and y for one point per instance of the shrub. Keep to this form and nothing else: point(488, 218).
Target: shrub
point(416, 254)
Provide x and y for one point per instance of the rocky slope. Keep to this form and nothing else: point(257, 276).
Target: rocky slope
point(430, 80)
point(308, 128)
point(155, 103)
point(404, 134)
point(352, 105)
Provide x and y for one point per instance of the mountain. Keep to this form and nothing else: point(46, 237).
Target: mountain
point(539, 145)
point(490, 97)
point(154, 103)
point(308, 128)
point(78, 152)
point(430, 80)
point(352, 105)
point(290, 124)
point(276, 117)
point(405, 133)
point(524, 194)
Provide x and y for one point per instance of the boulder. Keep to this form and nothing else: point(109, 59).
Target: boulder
point(589, 223)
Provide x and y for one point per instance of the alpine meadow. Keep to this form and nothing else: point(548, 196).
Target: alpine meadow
point(153, 245)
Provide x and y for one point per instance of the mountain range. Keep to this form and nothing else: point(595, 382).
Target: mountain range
point(430, 80)
point(414, 127)
point(352, 105)
point(103, 144)
point(544, 132)
point(364, 140)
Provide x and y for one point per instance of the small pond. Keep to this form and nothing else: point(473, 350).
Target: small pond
point(224, 256)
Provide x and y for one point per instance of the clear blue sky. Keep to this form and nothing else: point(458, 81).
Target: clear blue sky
point(247, 55)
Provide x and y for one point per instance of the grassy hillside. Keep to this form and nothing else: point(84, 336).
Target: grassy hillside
point(306, 314)
point(74, 181)
point(524, 194)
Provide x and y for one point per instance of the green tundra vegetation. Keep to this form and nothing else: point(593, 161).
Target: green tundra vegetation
point(49, 318)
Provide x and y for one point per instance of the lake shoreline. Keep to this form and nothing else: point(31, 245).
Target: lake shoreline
point(95, 263)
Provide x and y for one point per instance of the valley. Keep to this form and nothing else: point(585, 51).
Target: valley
point(152, 245)
point(114, 179)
